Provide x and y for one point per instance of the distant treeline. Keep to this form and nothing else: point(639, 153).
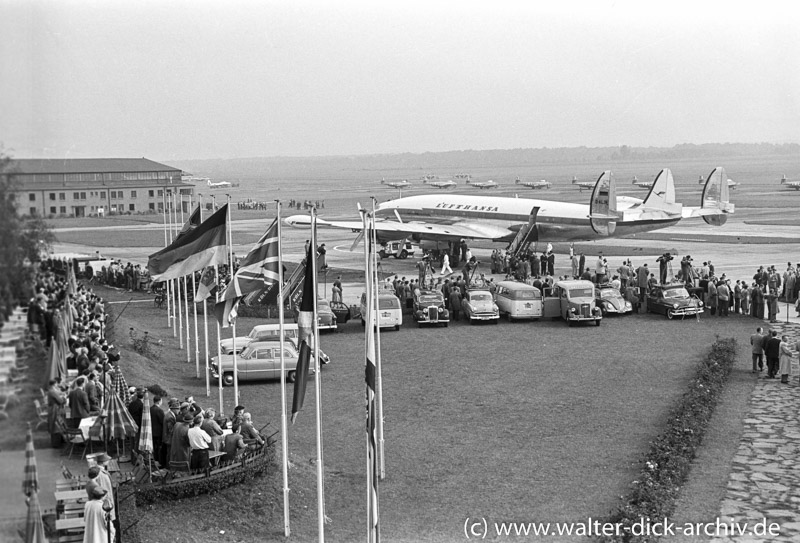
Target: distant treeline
point(463, 160)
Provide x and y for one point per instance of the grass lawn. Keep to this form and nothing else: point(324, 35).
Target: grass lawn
point(523, 421)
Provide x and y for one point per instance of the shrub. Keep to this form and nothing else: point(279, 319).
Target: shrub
point(666, 465)
point(156, 390)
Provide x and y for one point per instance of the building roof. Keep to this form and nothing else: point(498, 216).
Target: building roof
point(85, 165)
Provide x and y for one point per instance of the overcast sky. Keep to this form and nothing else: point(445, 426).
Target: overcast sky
point(181, 80)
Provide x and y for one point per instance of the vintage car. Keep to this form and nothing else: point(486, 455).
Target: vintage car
point(398, 249)
point(478, 305)
point(262, 332)
point(259, 360)
point(429, 308)
point(390, 312)
point(611, 301)
point(518, 300)
point(326, 319)
point(341, 310)
point(673, 301)
point(577, 302)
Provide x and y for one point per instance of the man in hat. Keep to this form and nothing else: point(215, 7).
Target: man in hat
point(181, 449)
point(170, 418)
point(321, 256)
point(136, 409)
point(157, 421)
point(96, 527)
point(103, 479)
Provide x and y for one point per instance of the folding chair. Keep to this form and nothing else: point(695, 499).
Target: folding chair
point(42, 413)
point(74, 436)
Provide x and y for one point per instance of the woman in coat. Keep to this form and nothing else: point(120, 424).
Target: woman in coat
point(55, 413)
point(785, 368)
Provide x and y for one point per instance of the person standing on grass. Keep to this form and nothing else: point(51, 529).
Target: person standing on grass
point(199, 441)
point(722, 295)
point(785, 360)
point(757, 341)
point(773, 351)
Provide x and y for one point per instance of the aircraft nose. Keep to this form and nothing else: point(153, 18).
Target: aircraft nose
point(298, 221)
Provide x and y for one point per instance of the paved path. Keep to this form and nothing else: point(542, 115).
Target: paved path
point(765, 477)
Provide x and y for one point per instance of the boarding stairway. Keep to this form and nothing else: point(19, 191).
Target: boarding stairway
point(292, 288)
point(526, 235)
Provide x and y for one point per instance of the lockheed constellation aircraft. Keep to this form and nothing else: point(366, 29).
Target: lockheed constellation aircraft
point(490, 184)
point(396, 184)
point(449, 184)
point(791, 184)
point(502, 219)
point(541, 184)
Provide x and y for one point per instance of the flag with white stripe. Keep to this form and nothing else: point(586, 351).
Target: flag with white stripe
point(371, 414)
point(258, 269)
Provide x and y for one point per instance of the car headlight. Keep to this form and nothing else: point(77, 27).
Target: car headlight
point(441, 310)
point(572, 310)
point(495, 308)
point(628, 305)
point(700, 304)
point(675, 306)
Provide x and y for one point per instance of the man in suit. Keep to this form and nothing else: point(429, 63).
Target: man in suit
point(157, 420)
point(181, 448)
point(78, 403)
point(233, 445)
point(773, 352)
point(136, 408)
point(757, 342)
point(249, 432)
point(170, 418)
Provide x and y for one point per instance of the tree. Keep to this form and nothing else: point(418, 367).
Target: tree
point(20, 243)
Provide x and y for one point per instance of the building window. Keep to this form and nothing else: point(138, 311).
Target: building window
point(52, 195)
point(83, 195)
point(53, 210)
point(131, 207)
point(150, 193)
point(152, 206)
point(32, 197)
point(133, 194)
point(63, 210)
point(160, 192)
point(113, 195)
point(103, 195)
point(62, 196)
point(161, 206)
point(76, 195)
point(33, 212)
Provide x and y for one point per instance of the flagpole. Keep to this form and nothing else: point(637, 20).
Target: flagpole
point(172, 281)
point(194, 307)
point(186, 301)
point(318, 387)
point(166, 243)
point(233, 324)
point(378, 378)
point(219, 335)
point(284, 429)
point(368, 323)
point(205, 313)
point(178, 285)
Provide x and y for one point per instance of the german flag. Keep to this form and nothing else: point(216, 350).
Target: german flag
point(204, 246)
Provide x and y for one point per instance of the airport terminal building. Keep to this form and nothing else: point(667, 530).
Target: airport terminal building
point(94, 186)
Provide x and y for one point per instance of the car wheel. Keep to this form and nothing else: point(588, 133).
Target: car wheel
point(227, 379)
point(445, 324)
point(403, 254)
point(510, 318)
point(396, 327)
point(495, 321)
point(670, 314)
point(597, 322)
point(291, 376)
point(569, 323)
point(382, 254)
point(419, 324)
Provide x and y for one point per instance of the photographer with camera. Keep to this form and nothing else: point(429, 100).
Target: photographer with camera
point(663, 264)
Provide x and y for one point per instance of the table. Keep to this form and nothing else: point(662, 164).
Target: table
point(85, 425)
point(70, 523)
point(213, 456)
point(71, 495)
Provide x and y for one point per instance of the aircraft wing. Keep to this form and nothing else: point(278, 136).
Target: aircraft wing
point(398, 230)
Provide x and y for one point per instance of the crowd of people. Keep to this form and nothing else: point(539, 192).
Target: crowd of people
point(776, 350)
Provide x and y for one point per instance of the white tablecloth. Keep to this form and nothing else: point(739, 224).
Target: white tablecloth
point(86, 423)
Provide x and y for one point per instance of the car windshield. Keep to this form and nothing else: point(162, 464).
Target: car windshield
point(253, 334)
point(247, 352)
point(431, 299)
point(387, 303)
point(609, 293)
point(581, 293)
point(323, 305)
point(480, 297)
point(680, 293)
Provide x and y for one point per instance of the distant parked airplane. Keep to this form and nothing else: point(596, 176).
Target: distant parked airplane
point(791, 184)
point(449, 184)
point(219, 185)
point(483, 184)
point(541, 184)
point(396, 184)
point(642, 184)
point(583, 184)
point(731, 183)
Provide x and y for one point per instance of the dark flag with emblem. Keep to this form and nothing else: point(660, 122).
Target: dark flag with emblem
point(305, 333)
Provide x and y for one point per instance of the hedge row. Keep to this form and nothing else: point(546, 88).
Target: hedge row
point(666, 465)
